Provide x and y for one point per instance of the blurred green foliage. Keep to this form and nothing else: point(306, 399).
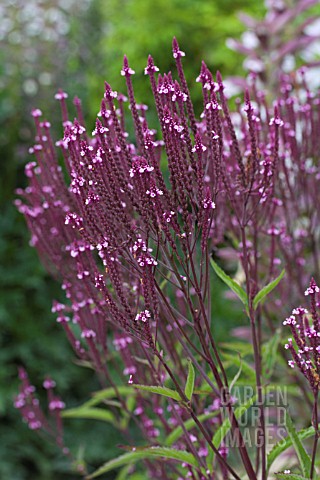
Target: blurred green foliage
point(139, 27)
point(32, 68)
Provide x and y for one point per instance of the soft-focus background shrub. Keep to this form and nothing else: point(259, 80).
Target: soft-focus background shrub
point(76, 45)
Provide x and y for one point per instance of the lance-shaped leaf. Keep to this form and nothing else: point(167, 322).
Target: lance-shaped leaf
point(290, 476)
point(124, 473)
point(237, 375)
point(269, 353)
point(284, 444)
point(235, 287)
point(188, 390)
point(92, 413)
point(143, 453)
point(247, 370)
point(188, 425)
point(245, 348)
point(266, 290)
point(304, 459)
point(226, 426)
point(107, 393)
point(164, 391)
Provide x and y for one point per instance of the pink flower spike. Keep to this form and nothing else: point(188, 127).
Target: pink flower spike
point(87, 333)
point(312, 289)
point(150, 68)
point(49, 383)
point(56, 405)
point(177, 53)
point(126, 70)
point(36, 112)
point(60, 95)
point(108, 93)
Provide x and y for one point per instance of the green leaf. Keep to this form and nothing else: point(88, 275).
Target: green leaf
point(290, 476)
point(124, 421)
point(92, 413)
point(269, 353)
point(247, 369)
point(284, 444)
point(141, 454)
point(124, 473)
point(108, 393)
point(237, 375)
point(235, 287)
point(188, 425)
point(245, 348)
point(226, 426)
point(131, 403)
point(190, 381)
point(266, 290)
point(165, 281)
point(304, 459)
point(164, 391)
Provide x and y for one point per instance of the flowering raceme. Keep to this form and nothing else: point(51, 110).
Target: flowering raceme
point(306, 354)
point(131, 241)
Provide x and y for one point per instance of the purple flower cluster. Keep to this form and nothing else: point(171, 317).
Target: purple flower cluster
point(304, 345)
point(32, 413)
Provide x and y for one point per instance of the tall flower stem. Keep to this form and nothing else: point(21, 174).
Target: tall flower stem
point(257, 356)
point(204, 432)
point(315, 418)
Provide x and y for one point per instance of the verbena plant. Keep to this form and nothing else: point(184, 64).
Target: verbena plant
point(140, 234)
